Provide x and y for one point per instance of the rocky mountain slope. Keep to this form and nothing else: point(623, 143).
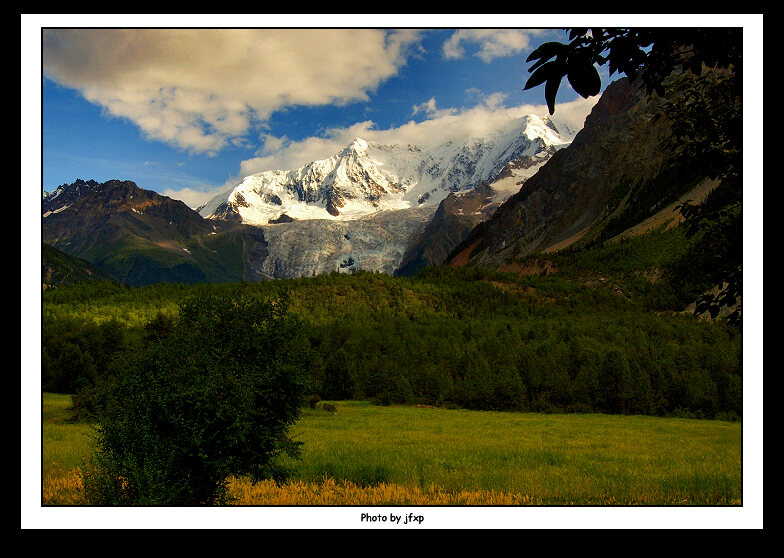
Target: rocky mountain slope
point(616, 173)
point(368, 206)
point(460, 212)
point(141, 237)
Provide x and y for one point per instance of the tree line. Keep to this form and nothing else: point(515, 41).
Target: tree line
point(462, 338)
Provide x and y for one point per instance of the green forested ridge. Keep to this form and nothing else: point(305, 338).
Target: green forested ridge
point(57, 268)
point(604, 333)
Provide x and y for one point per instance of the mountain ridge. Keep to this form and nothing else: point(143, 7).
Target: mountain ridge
point(142, 237)
point(366, 177)
point(548, 195)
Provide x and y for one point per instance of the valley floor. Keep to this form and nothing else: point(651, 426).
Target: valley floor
point(369, 455)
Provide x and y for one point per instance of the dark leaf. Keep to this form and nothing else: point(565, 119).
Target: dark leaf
point(546, 51)
point(597, 33)
point(541, 75)
point(550, 90)
point(584, 77)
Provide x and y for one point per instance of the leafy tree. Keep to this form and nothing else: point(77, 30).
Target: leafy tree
point(337, 382)
point(76, 351)
point(653, 54)
point(615, 383)
point(704, 113)
point(211, 395)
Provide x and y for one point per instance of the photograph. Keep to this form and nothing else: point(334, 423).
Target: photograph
point(391, 272)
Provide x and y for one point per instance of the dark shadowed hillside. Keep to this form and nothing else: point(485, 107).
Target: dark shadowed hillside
point(58, 268)
point(141, 237)
point(455, 217)
point(668, 141)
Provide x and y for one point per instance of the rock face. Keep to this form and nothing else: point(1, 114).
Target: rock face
point(81, 214)
point(460, 212)
point(455, 217)
point(588, 188)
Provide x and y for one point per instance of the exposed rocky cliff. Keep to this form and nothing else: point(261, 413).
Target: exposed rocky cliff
point(455, 217)
point(460, 212)
point(591, 188)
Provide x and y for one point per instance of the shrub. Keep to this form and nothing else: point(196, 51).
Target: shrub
point(329, 407)
point(313, 400)
point(211, 396)
point(614, 382)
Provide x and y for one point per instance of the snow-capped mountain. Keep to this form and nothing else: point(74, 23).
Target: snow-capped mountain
point(367, 177)
point(364, 208)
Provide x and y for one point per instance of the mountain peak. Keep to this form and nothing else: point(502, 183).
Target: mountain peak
point(358, 146)
point(365, 177)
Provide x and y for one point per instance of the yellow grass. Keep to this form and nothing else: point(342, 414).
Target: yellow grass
point(332, 493)
point(66, 489)
point(63, 488)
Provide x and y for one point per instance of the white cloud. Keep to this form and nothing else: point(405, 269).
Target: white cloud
point(202, 89)
point(191, 197)
point(271, 143)
point(492, 43)
point(494, 100)
point(444, 125)
point(430, 109)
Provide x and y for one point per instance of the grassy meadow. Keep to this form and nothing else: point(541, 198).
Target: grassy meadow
point(362, 454)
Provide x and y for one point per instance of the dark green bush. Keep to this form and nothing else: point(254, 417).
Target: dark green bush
point(313, 400)
point(75, 352)
point(329, 407)
point(211, 395)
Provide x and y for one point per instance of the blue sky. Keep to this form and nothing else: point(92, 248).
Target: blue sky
point(188, 112)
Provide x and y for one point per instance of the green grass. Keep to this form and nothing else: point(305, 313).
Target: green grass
point(557, 459)
point(65, 442)
point(65, 445)
point(584, 459)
